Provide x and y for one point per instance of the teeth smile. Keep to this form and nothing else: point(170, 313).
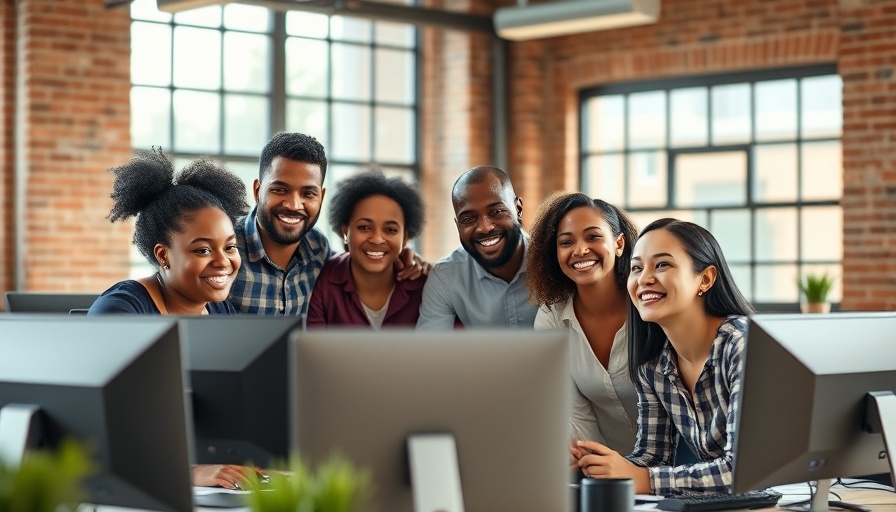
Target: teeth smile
point(378, 254)
point(488, 242)
point(218, 279)
point(650, 296)
point(290, 220)
point(583, 264)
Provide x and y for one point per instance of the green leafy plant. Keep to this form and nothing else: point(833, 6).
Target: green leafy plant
point(336, 486)
point(815, 287)
point(45, 480)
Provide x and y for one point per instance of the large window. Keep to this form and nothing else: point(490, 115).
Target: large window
point(755, 158)
point(219, 81)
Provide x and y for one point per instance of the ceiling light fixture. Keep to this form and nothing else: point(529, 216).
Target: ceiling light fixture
point(564, 17)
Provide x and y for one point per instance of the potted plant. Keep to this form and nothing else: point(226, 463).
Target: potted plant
point(815, 289)
point(335, 486)
point(45, 481)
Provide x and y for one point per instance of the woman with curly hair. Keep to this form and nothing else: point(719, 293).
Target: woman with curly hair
point(184, 228)
point(376, 216)
point(578, 263)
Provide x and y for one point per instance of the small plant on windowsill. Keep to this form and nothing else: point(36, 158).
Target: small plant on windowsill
point(815, 289)
point(45, 481)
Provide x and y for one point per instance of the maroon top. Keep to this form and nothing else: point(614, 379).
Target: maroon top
point(335, 300)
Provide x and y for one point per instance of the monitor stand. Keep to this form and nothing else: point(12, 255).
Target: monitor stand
point(435, 473)
point(18, 431)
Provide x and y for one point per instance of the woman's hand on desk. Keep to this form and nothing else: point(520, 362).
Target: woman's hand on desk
point(228, 476)
point(598, 461)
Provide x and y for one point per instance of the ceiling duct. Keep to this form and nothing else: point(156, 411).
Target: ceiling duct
point(565, 17)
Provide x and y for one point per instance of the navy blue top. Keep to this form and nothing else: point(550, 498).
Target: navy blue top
point(131, 297)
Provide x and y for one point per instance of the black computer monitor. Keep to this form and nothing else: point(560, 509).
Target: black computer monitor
point(116, 385)
point(502, 396)
point(45, 302)
point(238, 369)
point(805, 411)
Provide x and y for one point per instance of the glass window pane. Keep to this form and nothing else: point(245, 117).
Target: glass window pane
point(822, 176)
point(776, 110)
point(246, 124)
point(150, 53)
point(395, 34)
point(774, 173)
point(776, 283)
point(647, 179)
point(689, 117)
point(247, 62)
point(147, 10)
point(710, 179)
point(647, 120)
point(394, 135)
point(732, 230)
point(743, 278)
point(606, 123)
point(308, 117)
point(822, 106)
point(605, 178)
point(197, 122)
point(248, 172)
point(307, 67)
point(197, 59)
point(351, 132)
point(821, 233)
point(251, 18)
point(307, 24)
point(731, 119)
point(150, 118)
point(643, 218)
point(836, 271)
point(204, 16)
point(775, 233)
point(343, 28)
point(395, 76)
point(351, 72)
point(405, 174)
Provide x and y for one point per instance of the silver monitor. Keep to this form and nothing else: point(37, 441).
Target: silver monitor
point(47, 302)
point(116, 385)
point(815, 394)
point(502, 396)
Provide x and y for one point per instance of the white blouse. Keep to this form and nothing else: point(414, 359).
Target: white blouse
point(604, 401)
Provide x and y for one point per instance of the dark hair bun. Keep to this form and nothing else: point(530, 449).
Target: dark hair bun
point(138, 183)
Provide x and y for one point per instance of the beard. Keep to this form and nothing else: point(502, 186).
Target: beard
point(266, 221)
point(512, 239)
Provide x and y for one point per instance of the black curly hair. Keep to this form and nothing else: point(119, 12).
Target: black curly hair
point(372, 182)
point(147, 188)
point(294, 146)
point(547, 282)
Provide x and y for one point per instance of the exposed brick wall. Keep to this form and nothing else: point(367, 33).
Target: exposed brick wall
point(7, 106)
point(717, 36)
point(75, 104)
point(456, 119)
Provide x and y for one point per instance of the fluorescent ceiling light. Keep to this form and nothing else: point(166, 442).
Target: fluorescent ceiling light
point(572, 16)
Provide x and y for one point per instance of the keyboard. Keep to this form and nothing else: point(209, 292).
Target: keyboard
point(700, 502)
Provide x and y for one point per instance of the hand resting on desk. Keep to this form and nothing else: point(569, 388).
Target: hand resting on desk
point(228, 476)
point(598, 461)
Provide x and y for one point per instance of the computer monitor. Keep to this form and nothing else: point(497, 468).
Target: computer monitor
point(116, 385)
point(42, 302)
point(238, 367)
point(503, 396)
point(805, 412)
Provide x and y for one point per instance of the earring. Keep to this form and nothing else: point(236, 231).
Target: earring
point(345, 239)
point(700, 293)
point(618, 253)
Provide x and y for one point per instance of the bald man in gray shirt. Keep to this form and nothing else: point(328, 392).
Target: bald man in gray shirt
point(483, 282)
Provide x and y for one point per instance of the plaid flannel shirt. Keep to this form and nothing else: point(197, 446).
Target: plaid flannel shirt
point(707, 424)
point(261, 287)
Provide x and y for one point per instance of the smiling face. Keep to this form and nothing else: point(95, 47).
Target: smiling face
point(289, 199)
point(202, 260)
point(662, 283)
point(586, 247)
point(488, 222)
point(375, 234)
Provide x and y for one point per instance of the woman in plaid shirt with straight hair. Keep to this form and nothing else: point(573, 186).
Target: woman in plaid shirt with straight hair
point(686, 336)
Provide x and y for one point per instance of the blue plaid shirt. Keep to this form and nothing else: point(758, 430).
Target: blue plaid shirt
point(263, 288)
point(707, 424)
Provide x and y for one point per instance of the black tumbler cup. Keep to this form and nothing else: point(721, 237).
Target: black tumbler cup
point(606, 495)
